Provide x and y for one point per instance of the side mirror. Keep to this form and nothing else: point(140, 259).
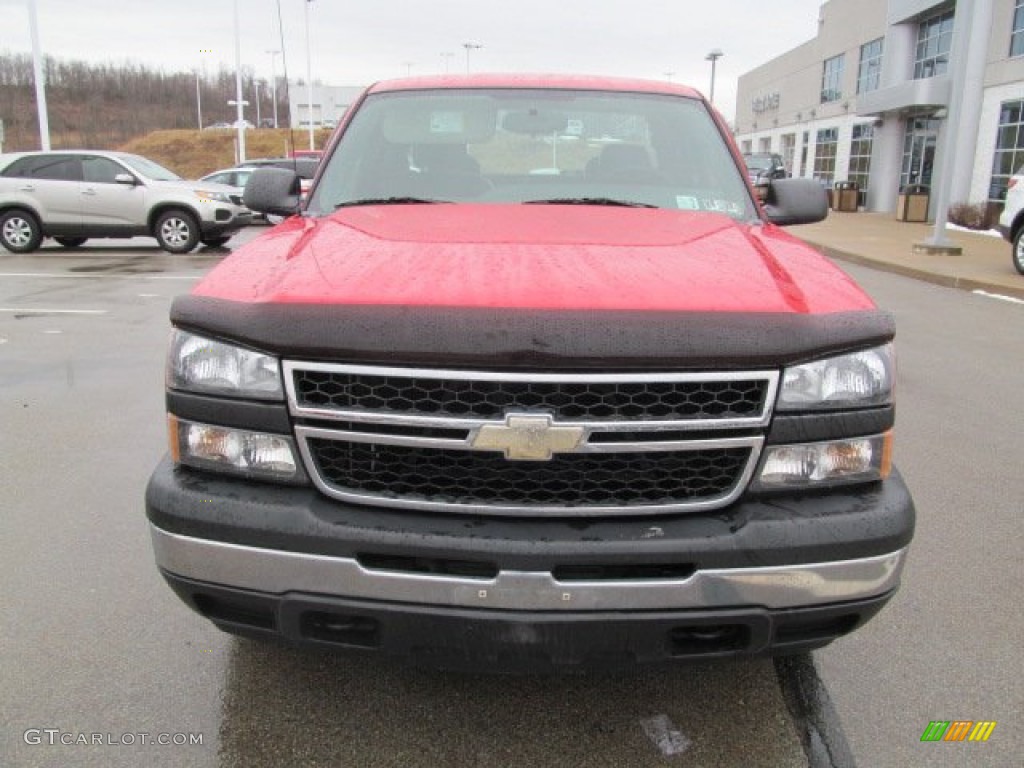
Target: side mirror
point(126, 178)
point(795, 201)
point(273, 190)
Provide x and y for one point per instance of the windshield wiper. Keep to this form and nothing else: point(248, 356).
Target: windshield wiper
point(387, 201)
point(589, 201)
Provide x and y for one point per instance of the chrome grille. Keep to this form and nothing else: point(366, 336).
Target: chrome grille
point(463, 441)
point(564, 400)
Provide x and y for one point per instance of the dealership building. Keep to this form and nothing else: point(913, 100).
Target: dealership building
point(326, 107)
point(870, 100)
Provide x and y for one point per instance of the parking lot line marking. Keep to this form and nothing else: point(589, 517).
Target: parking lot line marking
point(100, 277)
point(999, 296)
point(32, 311)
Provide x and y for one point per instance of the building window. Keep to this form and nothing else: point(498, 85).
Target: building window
point(860, 157)
point(1017, 38)
point(832, 79)
point(1009, 149)
point(764, 144)
point(869, 76)
point(825, 155)
point(745, 146)
point(934, 37)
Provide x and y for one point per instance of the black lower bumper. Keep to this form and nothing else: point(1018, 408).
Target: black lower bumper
point(763, 576)
point(503, 641)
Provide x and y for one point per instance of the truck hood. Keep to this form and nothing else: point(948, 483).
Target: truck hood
point(564, 257)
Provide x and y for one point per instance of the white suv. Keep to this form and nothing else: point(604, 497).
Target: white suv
point(75, 195)
point(1011, 221)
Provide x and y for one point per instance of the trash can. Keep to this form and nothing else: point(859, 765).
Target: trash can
point(846, 197)
point(912, 204)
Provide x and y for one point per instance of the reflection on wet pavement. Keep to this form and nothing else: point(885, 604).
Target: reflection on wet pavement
point(290, 707)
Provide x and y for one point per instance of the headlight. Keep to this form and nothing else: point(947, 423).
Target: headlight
point(197, 364)
point(857, 380)
point(837, 462)
point(217, 197)
point(238, 451)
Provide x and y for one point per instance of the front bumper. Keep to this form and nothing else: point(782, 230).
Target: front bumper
point(762, 576)
point(220, 219)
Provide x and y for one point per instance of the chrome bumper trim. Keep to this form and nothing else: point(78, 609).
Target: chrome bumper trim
point(277, 572)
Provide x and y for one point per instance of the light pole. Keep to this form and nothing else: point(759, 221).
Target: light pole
point(408, 67)
point(199, 102)
point(447, 57)
point(273, 81)
point(309, 76)
point(470, 47)
point(239, 103)
point(40, 78)
point(713, 57)
point(669, 75)
point(256, 87)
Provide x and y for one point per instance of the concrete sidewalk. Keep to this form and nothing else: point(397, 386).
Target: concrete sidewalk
point(878, 240)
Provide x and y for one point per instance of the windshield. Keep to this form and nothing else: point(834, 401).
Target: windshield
point(512, 145)
point(148, 168)
point(758, 162)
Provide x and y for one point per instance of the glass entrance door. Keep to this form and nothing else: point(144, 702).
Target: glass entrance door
point(919, 151)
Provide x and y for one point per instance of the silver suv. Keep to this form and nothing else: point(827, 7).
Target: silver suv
point(75, 195)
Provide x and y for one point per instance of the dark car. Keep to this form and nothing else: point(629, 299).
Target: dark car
point(763, 168)
point(302, 165)
point(305, 167)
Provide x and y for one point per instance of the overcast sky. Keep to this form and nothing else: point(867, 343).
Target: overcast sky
point(355, 42)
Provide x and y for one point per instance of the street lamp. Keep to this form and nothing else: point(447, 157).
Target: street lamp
point(273, 80)
point(408, 67)
point(309, 76)
point(669, 75)
point(40, 78)
point(470, 47)
point(239, 126)
point(447, 61)
point(199, 102)
point(713, 57)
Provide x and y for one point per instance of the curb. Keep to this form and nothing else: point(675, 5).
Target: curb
point(946, 281)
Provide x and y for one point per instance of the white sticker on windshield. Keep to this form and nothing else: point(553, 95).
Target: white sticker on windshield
point(722, 206)
point(687, 203)
point(446, 122)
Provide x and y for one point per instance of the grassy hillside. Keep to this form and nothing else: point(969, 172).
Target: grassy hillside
point(192, 154)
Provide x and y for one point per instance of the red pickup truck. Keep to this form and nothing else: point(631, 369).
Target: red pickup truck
point(531, 380)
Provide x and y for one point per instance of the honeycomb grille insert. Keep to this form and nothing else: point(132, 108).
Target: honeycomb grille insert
point(467, 478)
point(564, 400)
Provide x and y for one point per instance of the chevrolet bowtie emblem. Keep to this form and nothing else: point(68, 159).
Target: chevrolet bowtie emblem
point(527, 437)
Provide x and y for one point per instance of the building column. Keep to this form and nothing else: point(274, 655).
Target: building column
point(973, 97)
point(886, 159)
point(887, 146)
